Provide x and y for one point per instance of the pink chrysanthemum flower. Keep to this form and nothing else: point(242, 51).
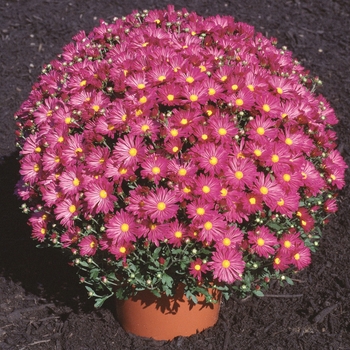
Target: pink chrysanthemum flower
point(288, 204)
point(161, 205)
point(212, 228)
point(176, 234)
point(128, 150)
point(207, 188)
point(88, 245)
point(67, 209)
point(31, 168)
point(222, 129)
point(71, 180)
point(262, 128)
point(281, 261)
point(262, 241)
point(122, 227)
point(209, 157)
point(227, 265)
point(288, 242)
point(241, 172)
point(154, 168)
point(301, 257)
point(231, 238)
point(154, 232)
point(197, 268)
point(99, 196)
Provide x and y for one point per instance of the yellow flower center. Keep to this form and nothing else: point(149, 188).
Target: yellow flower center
point(122, 171)
point(204, 137)
point(175, 149)
point(103, 194)
point(96, 108)
point(124, 227)
point(186, 189)
point(239, 102)
point(200, 211)
point(289, 141)
point(257, 152)
point(223, 192)
point(141, 86)
point(260, 242)
point(222, 131)
point(182, 172)
point(287, 244)
point(260, 130)
point(184, 121)
point(266, 108)
point(178, 234)
point(208, 225)
point(174, 132)
point(277, 261)
point(297, 256)
point(211, 91)
point(92, 244)
point(170, 97)
point(226, 264)
point(213, 160)
point(161, 206)
point(286, 177)
point(143, 99)
point(190, 80)
point(224, 78)
point(60, 139)
point(279, 90)
point(280, 202)
point(38, 149)
point(264, 190)
point(275, 158)
point(124, 117)
point(76, 182)
point(226, 242)
point(156, 170)
point(133, 152)
point(161, 78)
point(83, 83)
point(206, 189)
point(72, 208)
point(122, 250)
point(238, 174)
point(144, 128)
point(234, 87)
point(252, 200)
point(36, 167)
point(250, 87)
point(197, 267)
point(193, 98)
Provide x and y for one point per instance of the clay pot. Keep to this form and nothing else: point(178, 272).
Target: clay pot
point(167, 317)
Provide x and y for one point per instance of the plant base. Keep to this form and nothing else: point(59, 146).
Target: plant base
point(165, 318)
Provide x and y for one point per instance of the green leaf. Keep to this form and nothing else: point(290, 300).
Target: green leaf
point(258, 293)
point(289, 281)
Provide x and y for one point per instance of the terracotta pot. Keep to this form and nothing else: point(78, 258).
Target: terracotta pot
point(167, 317)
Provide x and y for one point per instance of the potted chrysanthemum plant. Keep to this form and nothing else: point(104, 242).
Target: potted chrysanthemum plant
point(166, 151)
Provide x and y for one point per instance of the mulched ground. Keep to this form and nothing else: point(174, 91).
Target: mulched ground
point(42, 306)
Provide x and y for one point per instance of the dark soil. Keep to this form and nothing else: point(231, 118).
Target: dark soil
point(42, 305)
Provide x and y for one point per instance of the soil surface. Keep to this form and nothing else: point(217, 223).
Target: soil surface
point(42, 305)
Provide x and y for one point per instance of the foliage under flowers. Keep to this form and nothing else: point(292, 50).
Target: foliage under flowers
point(166, 148)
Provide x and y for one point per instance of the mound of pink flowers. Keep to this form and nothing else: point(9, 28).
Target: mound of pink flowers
point(168, 148)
